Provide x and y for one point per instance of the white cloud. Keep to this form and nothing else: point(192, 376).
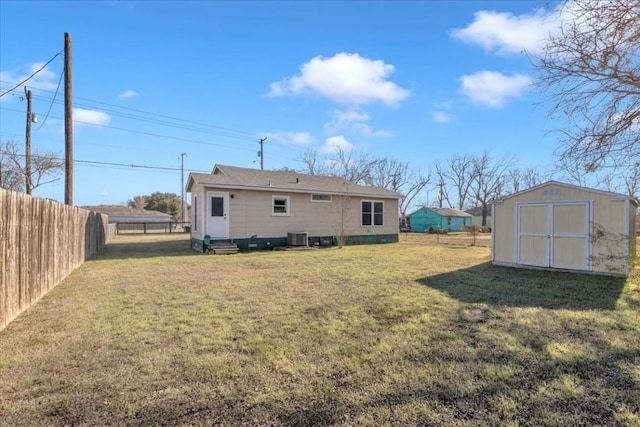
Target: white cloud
point(352, 121)
point(291, 138)
point(82, 116)
point(444, 105)
point(505, 33)
point(493, 89)
point(345, 78)
point(366, 130)
point(443, 117)
point(337, 143)
point(128, 94)
point(342, 120)
point(45, 79)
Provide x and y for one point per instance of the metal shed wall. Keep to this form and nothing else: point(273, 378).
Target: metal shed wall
point(586, 230)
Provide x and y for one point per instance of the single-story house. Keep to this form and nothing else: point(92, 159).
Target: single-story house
point(258, 209)
point(449, 219)
point(565, 227)
point(476, 216)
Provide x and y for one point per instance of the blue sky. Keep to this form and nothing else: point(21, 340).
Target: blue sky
point(415, 80)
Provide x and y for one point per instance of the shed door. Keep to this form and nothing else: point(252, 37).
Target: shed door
point(533, 235)
point(570, 236)
point(554, 235)
point(217, 211)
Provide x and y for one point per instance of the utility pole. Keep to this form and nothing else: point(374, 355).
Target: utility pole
point(182, 185)
point(261, 152)
point(68, 123)
point(27, 149)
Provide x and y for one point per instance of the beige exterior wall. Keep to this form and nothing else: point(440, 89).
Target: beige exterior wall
point(250, 213)
point(608, 229)
point(477, 220)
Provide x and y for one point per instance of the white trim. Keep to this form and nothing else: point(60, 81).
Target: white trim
point(225, 215)
point(587, 203)
point(493, 232)
point(266, 187)
point(195, 213)
point(614, 196)
point(287, 206)
point(373, 222)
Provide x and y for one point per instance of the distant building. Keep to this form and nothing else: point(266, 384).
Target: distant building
point(449, 219)
point(476, 216)
point(124, 214)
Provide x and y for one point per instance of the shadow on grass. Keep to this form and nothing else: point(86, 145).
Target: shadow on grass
point(140, 246)
point(519, 287)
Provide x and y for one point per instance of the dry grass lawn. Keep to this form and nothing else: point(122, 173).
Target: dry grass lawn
point(414, 333)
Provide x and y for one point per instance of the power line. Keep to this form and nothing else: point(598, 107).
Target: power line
point(249, 135)
point(145, 133)
point(94, 162)
point(31, 76)
point(173, 122)
point(52, 101)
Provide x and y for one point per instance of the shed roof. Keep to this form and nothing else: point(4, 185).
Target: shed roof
point(233, 177)
point(614, 196)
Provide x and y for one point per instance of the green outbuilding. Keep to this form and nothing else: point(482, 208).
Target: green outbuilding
point(439, 219)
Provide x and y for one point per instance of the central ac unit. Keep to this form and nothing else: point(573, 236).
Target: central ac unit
point(299, 238)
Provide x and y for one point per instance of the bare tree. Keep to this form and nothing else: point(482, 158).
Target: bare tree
point(347, 164)
point(351, 165)
point(442, 186)
point(358, 168)
point(396, 175)
point(488, 180)
point(309, 159)
point(342, 215)
point(457, 175)
point(589, 71)
point(520, 179)
point(45, 167)
point(632, 180)
point(570, 170)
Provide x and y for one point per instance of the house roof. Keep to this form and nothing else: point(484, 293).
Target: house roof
point(115, 210)
point(444, 211)
point(477, 211)
point(614, 196)
point(233, 177)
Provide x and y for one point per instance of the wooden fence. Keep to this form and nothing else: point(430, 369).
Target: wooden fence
point(41, 242)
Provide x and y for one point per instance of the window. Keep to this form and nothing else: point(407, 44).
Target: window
point(372, 213)
point(217, 206)
point(195, 213)
point(280, 205)
point(321, 197)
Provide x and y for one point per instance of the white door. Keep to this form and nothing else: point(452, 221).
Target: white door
point(570, 236)
point(554, 235)
point(533, 235)
point(217, 212)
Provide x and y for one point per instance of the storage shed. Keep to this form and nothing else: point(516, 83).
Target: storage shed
point(565, 227)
